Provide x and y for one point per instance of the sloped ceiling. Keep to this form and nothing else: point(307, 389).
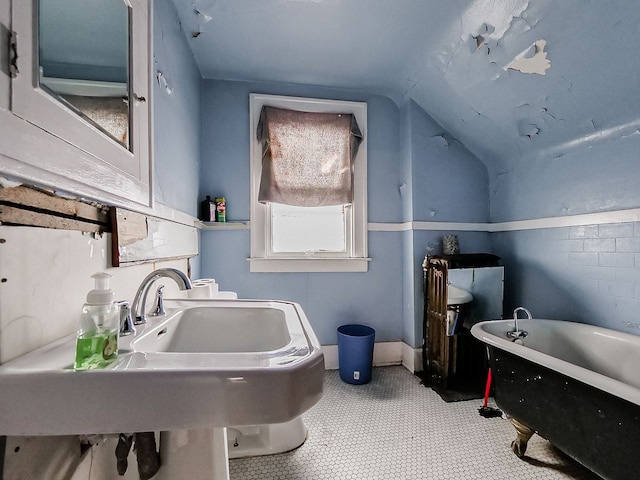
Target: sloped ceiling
point(451, 57)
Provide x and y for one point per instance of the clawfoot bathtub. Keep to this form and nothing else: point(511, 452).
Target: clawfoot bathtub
point(576, 385)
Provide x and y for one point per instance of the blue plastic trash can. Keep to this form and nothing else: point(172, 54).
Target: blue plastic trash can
point(355, 353)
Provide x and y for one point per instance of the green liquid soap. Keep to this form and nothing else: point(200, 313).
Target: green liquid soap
point(96, 350)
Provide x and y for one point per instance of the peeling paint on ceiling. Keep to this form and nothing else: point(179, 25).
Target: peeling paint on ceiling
point(532, 60)
point(455, 59)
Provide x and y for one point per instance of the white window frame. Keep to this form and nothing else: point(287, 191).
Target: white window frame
point(261, 259)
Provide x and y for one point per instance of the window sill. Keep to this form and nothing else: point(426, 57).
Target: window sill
point(309, 264)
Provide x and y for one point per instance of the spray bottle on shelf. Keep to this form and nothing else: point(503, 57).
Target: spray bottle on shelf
point(97, 338)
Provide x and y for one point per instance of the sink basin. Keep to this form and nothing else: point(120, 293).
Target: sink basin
point(202, 329)
point(457, 295)
point(207, 363)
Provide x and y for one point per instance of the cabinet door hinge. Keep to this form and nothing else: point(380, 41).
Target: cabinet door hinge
point(13, 54)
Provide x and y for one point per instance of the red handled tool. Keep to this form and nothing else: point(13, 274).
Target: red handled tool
point(485, 410)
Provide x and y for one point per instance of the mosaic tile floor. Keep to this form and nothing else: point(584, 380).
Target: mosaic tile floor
point(394, 428)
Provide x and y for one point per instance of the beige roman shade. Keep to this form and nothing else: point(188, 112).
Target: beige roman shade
point(307, 158)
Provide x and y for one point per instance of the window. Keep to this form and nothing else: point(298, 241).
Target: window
point(309, 230)
point(287, 238)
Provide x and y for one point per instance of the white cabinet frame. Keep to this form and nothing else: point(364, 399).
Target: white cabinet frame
point(47, 144)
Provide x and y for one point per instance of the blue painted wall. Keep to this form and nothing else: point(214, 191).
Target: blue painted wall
point(409, 320)
point(329, 299)
point(599, 177)
point(401, 148)
point(447, 184)
point(176, 115)
point(584, 273)
point(418, 172)
point(225, 144)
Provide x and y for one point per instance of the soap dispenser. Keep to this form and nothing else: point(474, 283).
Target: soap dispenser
point(97, 338)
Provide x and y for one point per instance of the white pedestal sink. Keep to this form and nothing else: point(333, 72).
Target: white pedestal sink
point(196, 454)
point(206, 364)
point(457, 295)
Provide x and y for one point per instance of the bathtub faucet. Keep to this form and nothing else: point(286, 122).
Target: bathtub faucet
point(517, 333)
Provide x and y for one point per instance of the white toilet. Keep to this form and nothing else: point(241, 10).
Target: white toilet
point(250, 441)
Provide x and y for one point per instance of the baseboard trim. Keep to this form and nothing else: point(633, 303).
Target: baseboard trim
point(384, 354)
point(412, 358)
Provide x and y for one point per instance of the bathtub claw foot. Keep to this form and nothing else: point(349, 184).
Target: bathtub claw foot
point(519, 447)
point(524, 433)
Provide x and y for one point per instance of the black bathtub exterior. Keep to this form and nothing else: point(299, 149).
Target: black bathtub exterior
point(598, 429)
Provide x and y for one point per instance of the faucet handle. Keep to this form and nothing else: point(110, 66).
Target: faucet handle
point(126, 323)
point(159, 309)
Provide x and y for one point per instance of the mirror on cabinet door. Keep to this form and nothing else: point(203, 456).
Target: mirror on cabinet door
point(83, 60)
point(82, 79)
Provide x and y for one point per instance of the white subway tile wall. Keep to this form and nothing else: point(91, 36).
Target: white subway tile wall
point(586, 273)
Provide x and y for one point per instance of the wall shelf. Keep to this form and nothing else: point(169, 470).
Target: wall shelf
point(241, 225)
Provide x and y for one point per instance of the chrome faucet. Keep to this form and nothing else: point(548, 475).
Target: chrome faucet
point(516, 333)
point(140, 300)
